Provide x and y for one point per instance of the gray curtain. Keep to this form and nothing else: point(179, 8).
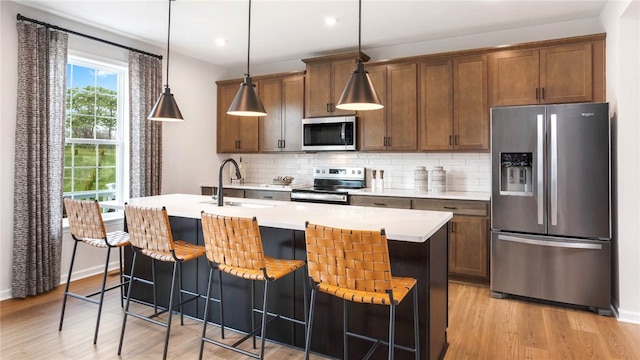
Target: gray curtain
point(145, 85)
point(39, 146)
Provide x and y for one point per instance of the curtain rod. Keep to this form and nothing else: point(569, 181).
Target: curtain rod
point(20, 17)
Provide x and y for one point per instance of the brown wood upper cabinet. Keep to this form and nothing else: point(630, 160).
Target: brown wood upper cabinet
point(555, 74)
point(326, 79)
point(235, 134)
point(395, 126)
point(454, 113)
point(283, 99)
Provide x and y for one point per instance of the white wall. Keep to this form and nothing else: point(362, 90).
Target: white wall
point(621, 21)
point(188, 148)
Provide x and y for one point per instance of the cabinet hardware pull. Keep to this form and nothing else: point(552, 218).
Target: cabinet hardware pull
point(536, 93)
point(389, 141)
point(450, 140)
point(267, 197)
point(379, 204)
point(384, 141)
point(283, 144)
point(542, 93)
point(451, 207)
point(453, 227)
point(455, 140)
point(328, 107)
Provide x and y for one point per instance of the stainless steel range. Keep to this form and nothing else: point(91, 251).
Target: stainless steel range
point(331, 185)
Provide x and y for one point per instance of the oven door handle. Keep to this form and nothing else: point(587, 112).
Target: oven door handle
point(343, 133)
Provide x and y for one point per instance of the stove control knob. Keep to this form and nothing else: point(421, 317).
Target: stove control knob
point(323, 171)
point(317, 171)
point(359, 172)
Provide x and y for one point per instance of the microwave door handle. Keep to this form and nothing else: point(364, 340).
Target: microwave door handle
point(343, 133)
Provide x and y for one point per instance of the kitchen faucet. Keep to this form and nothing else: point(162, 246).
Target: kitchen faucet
point(220, 189)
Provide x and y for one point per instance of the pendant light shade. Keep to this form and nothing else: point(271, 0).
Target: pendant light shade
point(359, 94)
point(166, 108)
point(247, 102)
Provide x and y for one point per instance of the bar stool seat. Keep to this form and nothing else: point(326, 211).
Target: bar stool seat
point(86, 226)
point(354, 265)
point(234, 246)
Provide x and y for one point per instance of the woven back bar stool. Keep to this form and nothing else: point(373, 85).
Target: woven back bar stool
point(86, 226)
point(354, 265)
point(234, 246)
point(150, 235)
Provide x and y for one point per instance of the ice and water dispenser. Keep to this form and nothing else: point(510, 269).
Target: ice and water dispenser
point(516, 174)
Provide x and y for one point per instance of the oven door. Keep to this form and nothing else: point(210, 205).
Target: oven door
point(320, 196)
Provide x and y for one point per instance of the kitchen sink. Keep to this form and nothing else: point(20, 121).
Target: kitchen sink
point(240, 204)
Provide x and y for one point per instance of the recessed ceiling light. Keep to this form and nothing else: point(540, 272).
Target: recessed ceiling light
point(221, 42)
point(330, 20)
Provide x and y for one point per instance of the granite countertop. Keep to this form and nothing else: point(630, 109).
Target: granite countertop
point(451, 195)
point(399, 224)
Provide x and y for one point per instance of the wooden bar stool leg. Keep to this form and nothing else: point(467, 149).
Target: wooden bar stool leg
point(170, 308)
point(312, 304)
point(264, 319)
point(221, 309)
point(416, 330)
point(104, 283)
point(206, 313)
point(126, 306)
point(392, 317)
point(122, 277)
point(66, 287)
point(344, 329)
point(180, 293)
point(153, 279)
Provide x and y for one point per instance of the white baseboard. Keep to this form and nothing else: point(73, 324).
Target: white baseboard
point(6, 294)
point(632, 317)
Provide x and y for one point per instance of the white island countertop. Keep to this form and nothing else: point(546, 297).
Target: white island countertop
point(399, 224)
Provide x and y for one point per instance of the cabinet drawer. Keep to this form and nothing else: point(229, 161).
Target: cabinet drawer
point(268, 195)
point(457, 207)
point(211, 190)
point(381, 201)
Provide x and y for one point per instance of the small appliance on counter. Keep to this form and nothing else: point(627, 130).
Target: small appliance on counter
point(551, 204)
point(331, 185)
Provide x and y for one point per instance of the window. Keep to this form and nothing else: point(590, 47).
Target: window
point(94, 156)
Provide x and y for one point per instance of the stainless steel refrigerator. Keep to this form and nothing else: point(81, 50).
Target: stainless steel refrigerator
point(551, 203)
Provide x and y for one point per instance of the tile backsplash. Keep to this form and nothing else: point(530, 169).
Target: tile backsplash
point(465, 171)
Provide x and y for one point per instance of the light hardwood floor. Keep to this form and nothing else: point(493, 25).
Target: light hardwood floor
point(480, 327)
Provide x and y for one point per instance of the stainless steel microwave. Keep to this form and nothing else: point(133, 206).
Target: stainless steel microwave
point(337, 133)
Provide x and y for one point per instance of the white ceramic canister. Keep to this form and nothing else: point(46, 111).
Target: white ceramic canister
point(438, 179)
point(420, 179)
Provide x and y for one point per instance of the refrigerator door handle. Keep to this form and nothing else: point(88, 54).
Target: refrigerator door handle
point(553, 172)
point(558, 244)
point(540, 170)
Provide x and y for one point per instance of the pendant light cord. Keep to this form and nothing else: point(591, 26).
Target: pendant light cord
point(359, 29)
point(168, 43)
point(249, 40)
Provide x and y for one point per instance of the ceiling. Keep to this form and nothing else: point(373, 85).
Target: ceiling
point(295, 29)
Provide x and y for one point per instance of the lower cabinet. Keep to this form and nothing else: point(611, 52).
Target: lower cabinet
point(380, 201)
point(468, 236)
point(468, 243)
point(210, 190)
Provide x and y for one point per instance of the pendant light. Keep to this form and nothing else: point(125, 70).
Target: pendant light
point(247, 102)
point(359, 93)
point(166, 108)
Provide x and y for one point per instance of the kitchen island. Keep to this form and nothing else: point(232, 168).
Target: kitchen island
point(417, 248)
